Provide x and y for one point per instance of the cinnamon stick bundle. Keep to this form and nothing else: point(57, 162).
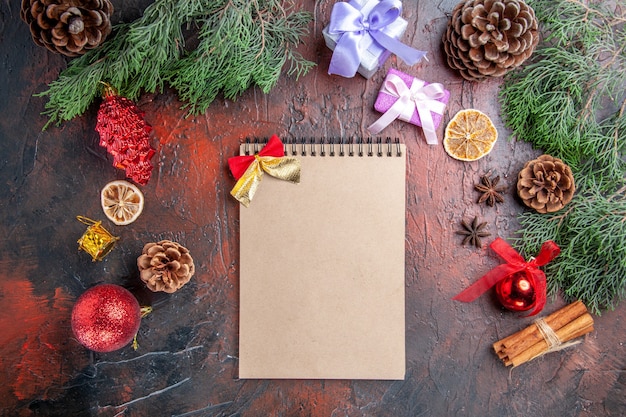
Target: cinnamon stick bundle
point(545, 335)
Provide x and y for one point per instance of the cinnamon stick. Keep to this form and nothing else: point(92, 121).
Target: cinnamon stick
point(519, 342)
point(576, 328)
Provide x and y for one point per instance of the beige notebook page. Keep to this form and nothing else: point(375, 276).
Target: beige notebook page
point(322, 271)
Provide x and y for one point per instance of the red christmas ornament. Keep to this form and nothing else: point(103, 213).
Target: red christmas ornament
point(106, 318)
point(125, 135)
point(516, 292)
point(520, 285)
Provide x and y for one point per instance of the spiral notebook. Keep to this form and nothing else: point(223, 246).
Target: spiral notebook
point(322, 266)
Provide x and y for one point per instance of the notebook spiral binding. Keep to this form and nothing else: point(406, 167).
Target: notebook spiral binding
point(328, 147)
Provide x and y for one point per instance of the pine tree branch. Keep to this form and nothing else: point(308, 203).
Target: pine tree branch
point(587, 109)
point(559, 103)
point(146, 54)
point(615, 20)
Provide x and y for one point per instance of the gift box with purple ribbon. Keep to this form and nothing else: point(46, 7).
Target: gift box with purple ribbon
point(363, 33)
point(412, 100)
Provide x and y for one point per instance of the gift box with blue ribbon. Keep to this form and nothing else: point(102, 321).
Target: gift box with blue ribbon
point(363, 33)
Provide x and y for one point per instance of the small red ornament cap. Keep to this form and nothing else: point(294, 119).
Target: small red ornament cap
point(106, 318)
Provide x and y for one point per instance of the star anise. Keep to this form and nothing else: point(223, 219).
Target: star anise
point(491, 193)
point(473, 232)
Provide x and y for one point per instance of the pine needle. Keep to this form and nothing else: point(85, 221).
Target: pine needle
point(570, 103)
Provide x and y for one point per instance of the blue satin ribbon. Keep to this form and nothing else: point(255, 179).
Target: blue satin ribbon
point(357, 31)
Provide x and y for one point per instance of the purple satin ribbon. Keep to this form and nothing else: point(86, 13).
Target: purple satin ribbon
point(418, 97)
point(356, 29)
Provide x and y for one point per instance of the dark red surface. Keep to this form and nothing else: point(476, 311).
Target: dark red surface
point(186, 364)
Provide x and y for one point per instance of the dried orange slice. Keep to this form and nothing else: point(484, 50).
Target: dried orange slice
point(121, 201)
point(470, 135)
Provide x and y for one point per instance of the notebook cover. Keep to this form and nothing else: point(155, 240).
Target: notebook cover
point(322, 271)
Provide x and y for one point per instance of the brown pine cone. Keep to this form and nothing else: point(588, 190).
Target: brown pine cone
point(69, 27)
point(165, 266)
point(546, 184)
point(487, 38)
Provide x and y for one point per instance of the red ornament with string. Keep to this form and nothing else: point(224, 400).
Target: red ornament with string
point(106, 318)
point(519, 285)
point(125, 135)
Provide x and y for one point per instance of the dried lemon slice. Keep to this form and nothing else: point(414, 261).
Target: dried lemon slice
point(470, 135)
point(121, 201)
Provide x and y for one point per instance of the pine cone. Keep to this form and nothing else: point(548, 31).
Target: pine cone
point(487, 38)
point(165, 266)
point(546, 184)
point(69, 27)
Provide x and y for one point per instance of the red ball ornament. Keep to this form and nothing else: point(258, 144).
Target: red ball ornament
point(106, 318)
point(517, 292)
point(520, 285)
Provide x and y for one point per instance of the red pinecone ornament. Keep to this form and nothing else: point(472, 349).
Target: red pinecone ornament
point(125, 135)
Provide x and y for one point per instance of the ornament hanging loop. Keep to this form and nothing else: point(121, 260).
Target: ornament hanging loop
point(96, 241)
point(86, 220)
point(107, 89)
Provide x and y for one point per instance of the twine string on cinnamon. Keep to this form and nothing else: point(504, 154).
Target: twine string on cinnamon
point(551, 338)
